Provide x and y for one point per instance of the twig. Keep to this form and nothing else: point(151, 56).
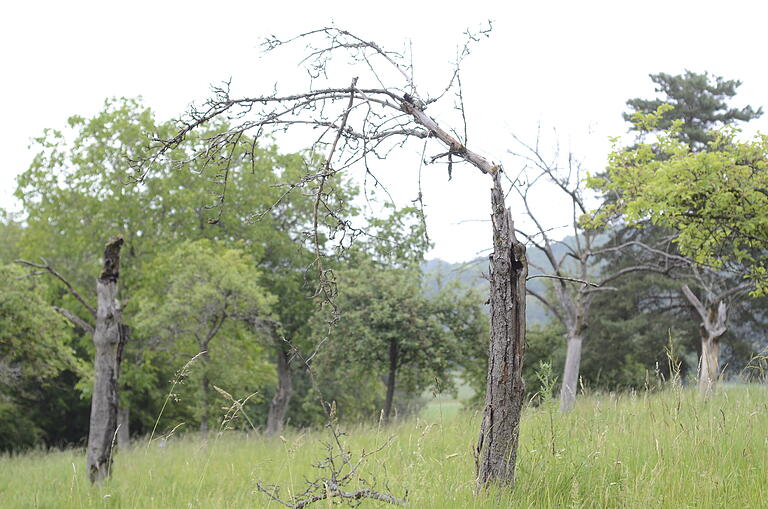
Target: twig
point(563, 278)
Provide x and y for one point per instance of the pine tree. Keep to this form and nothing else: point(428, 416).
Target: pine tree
point(699, 100)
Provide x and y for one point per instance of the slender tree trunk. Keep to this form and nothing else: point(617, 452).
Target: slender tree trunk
point(279, 407)
point(570, 385)
point(709, 371)
point(109, 338)
point(497, 445)
point(393, 359)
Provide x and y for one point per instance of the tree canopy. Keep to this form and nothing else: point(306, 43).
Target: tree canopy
point(715, 200)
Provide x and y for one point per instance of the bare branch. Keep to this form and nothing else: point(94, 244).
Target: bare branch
point(622, 248)
point(736, 290)
point(70, 288)
point(76, 320)
point(563, 278)
point(634, 268)
point(695, 302)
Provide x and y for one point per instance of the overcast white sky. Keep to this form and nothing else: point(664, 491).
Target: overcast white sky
point(566, 65)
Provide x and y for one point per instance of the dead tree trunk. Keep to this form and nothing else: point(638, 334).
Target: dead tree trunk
point(713, 325)
point(393, 354)
point(710, 362)
point(109, 339)
point(123, 411)
point(497, 445)
point(279, 406)
point(570, 385)
point(496, 451)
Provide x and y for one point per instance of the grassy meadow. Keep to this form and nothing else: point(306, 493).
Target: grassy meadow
point(645, 450)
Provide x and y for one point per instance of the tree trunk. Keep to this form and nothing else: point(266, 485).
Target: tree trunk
point(714, 317)
point(709, 371)
point(497, 445)
point(393, 355)
point(109, 338)
point(123, 427)
point(570, 385)
point(279, 407)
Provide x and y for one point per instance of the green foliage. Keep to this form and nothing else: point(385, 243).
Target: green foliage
point(80, 190)
point(32, 335)
point(10, 235)
point(667, 180)
point(715, 201)
point(544, 345)
point(462, 312)
point(35, 348)
point(397, 240)
point(699, 101)
point(380, 308)
point(76, 193)
point(205, 297)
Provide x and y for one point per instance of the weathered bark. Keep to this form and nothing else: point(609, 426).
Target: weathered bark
point(279, 407)
point(123, 427)
point(109, 338)
point(570, 385)
point(123, 412)
point(709, 371)
point(393, 360)
point(497, 445)
point(714, 316)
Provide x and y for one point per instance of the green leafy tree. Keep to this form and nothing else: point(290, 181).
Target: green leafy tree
point(388, 329)
point(715, 201)
point(398, 240)
point(690, 184)
point(635, 322)
point(380, 276)
point(204, 301)
point(80, 185)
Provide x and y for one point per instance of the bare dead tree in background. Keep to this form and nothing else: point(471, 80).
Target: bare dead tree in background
point(570, 303)
point(109, 338)
point(707, 293)
point(358, 123)
point(573, 267)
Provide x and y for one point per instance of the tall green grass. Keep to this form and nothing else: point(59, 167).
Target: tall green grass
point(645, 450)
